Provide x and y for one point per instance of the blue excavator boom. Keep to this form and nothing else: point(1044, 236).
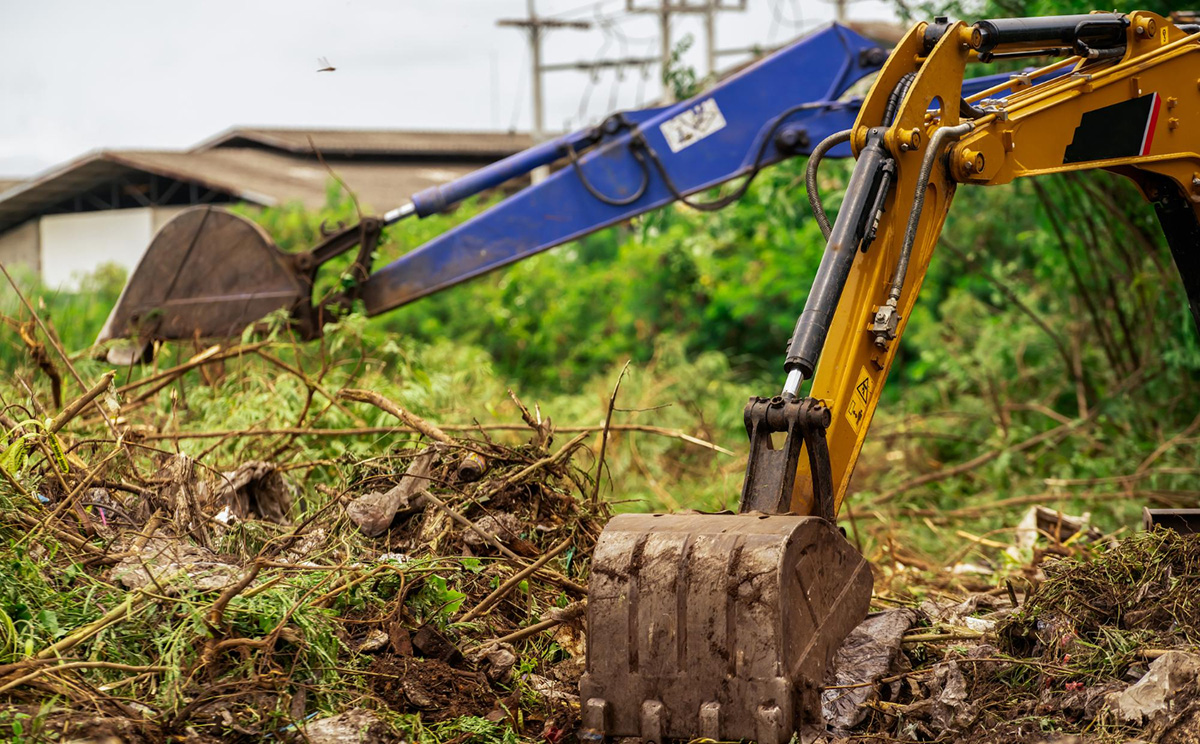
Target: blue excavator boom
point(210, 273)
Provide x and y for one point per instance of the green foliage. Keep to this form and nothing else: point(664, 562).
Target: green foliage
point(679, 77)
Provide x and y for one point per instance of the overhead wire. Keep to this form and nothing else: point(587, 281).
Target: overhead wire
point(518, 98)
point(591, 7)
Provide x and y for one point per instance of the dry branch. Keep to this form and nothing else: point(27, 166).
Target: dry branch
point(387, 406)
point(512, 582)
point(378, 430)
point(72, 410)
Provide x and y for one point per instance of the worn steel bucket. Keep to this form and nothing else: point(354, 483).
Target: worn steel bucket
point(207, 273)
point(716, 625)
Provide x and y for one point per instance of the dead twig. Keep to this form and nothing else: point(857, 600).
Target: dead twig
point(211, 354)
point(528, 470)
point(309, 383)
point(542, 430)
point(513, 581)
point(363, 431)
point(38, 350)
point(567, 614)
point(612, 402)
point(44, 670)
point(72, 410)
point(387, 406)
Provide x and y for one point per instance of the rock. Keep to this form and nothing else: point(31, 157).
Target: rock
point(496, 660)
point(1169, 674)
point(400, 639)
point(355, 726)
point(417, 695)
point(869, 653)
point(376, 640)
point(170, 564)
point(374, 512)
point(551, 690)
point(257, 488)
point(504, 526)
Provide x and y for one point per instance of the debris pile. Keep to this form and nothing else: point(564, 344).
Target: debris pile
point(1106, 648)
point(278, 584)
point(440, 582)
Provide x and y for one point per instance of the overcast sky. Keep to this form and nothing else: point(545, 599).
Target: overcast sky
point(82, 75)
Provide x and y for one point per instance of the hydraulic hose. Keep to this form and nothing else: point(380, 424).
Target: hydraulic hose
point(837, 138)
point(810, 177)
point(914, 216)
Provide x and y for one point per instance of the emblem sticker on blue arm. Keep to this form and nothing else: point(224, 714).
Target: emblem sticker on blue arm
point(692, 125)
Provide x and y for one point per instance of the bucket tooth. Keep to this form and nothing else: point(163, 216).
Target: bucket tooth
point(652, 722)
point(710, 721)
point(718, 626)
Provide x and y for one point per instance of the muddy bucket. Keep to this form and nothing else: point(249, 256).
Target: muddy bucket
point(716, 625)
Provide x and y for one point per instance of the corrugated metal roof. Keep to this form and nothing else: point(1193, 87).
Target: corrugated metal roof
point(258, 176)
point(267, 178)
point(368, 142)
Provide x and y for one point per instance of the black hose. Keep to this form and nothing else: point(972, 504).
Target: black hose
point(622, 202)
point(738, 193)
point(967, 111)
point(897, 95)
point(810, 177)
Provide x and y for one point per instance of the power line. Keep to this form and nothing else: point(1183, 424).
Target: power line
point(592, 7)
point(708, 8)
point(535, 27)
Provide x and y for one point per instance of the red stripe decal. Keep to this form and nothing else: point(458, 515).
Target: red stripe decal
point(1148, 136)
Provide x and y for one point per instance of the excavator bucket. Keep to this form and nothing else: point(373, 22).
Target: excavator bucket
point(718, 626)
point(207, 273)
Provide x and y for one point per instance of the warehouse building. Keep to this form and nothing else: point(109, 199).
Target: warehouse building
point(105, 206)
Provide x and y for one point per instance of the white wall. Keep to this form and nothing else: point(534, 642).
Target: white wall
point(20, 246)
point(74, 245)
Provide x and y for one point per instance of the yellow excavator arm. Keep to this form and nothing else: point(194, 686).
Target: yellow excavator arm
point(722, 626)
point(1136, 114)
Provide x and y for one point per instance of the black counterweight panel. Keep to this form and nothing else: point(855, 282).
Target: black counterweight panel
point(1116, 131)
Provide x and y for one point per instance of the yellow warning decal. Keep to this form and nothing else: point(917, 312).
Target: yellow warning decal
point(856, 409)
point(1163, 34)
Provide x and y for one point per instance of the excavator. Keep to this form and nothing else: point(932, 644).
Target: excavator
point(722, 626)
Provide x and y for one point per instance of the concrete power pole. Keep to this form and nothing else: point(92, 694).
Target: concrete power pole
point(708, 8)
point(535, 27)
point(664, 31)
point(710, 37)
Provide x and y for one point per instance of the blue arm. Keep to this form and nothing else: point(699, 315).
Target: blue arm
point(779, 107)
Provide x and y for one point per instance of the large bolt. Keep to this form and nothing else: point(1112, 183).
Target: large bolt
point(972, 161)
point(909, 139)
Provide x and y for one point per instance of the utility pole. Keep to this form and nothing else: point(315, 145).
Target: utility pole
point(710, 36)
point(535, 27)
point(708, 8)
point(664, 26)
